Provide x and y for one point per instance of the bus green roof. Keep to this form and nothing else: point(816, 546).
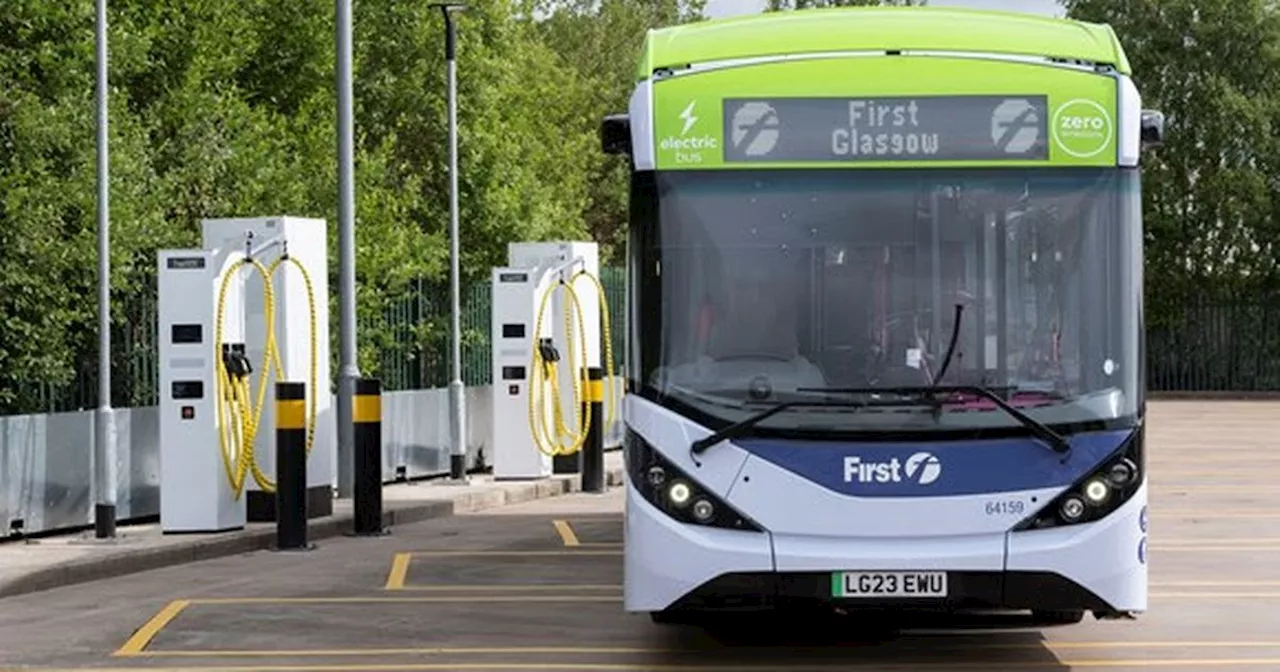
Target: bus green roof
point(881, 29)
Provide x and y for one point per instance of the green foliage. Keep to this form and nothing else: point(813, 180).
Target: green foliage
point(1211, 210)
point(228, 109)
point(596, 45)
point(225, 109)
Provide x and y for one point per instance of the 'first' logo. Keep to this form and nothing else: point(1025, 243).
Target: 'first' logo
point(921, 468)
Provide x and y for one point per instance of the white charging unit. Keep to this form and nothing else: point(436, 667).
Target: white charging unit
point(196, 495)
point(518, 289)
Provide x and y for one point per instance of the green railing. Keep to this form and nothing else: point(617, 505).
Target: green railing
point(1219, 344)
point(135, 374)
point(414, 350)
point(409, 343)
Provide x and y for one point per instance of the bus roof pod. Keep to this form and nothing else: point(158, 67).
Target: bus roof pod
point(884, 30)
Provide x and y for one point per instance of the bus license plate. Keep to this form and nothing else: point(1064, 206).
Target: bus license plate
point(889, 584)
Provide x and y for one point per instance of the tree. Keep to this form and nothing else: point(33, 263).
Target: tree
point(597, 44)
point(1212, 217)
point(227, 109)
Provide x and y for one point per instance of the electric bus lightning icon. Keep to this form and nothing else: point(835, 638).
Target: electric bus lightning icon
point(689, 119)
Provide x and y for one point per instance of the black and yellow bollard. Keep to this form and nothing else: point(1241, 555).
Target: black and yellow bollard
point(571, 463)
point(593, 450)
point(291, 467)
point(367, 416)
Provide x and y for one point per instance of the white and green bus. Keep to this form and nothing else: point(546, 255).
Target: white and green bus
point(885, 315)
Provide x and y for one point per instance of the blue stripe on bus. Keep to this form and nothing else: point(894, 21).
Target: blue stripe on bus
point(936, 468)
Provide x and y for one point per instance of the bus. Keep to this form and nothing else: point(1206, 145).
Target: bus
point(885, 344)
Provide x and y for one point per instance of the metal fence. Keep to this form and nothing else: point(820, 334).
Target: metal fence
point(413, 334)
point(1216, 344)
point(1210, 344)
point(410, 342)
point(135, 375)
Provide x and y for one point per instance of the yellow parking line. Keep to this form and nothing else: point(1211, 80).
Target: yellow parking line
point(399, 571)
point(436, 651)
point(490, 587)
point(406, 598)
point(143, 636)
point(607, 650)
point(563, 599)
point(1213, 549)
point(1196, 541)
point(1219, 584)
point(503, 554)
point(1165, 488)
point(1146, 645)
point(1201, 513)
point(566, 532)
point(1218, 595)
point(426, 667)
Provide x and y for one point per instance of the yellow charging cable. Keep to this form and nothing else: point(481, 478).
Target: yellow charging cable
point(606, 335)
point(238, 417)
point(545, 372)
point(313, 344)
point(556, 437)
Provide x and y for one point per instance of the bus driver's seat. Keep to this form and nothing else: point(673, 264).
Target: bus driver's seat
point(754, 332)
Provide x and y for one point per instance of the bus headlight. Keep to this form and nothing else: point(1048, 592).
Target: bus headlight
point(1122, 473)
point(1072, 508)
point(679, 493)
point(1098, 493)
point(664, 485)
point(703, 511)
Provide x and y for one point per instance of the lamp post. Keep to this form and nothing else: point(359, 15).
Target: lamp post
point(348, 368)
point(104, 511)
point(457, 402)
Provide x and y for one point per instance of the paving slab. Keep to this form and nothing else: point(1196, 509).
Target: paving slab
point(50, 562)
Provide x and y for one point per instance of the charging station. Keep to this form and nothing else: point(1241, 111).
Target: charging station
point(530, 310)
point(218, 369)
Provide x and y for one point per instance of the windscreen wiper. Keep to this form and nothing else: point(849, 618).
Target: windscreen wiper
point(1055, 440)
point(739, 428)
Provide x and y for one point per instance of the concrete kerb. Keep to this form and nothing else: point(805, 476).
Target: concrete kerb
point(136, 560)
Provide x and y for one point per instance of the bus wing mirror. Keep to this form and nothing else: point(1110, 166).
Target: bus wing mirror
point(615, 134)
point(1152, 129)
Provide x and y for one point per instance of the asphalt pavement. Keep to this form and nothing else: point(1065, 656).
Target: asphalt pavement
point(537, 586)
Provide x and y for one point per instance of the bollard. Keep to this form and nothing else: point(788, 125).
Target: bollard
point(291, 466)
point(571, 463)
point(367, 416)
point(593, 451)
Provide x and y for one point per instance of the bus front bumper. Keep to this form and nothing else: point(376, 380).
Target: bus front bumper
point(1100, 568)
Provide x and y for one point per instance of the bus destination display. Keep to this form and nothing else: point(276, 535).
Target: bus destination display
point(925, 128)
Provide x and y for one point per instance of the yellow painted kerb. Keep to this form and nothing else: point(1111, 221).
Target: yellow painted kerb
point(143, 636)
point(291, 414)
point(368, 408)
